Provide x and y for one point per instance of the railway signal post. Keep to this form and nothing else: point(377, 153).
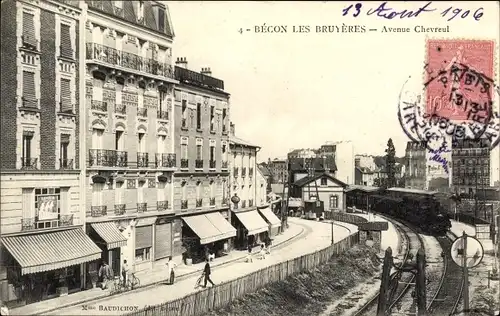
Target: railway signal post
point(384, 284)
point(420, 286)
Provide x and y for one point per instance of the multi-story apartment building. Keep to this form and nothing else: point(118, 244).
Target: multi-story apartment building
point(365, 161)
point(41, 218)
point(127, 130)
point(302, 153)
point(201, 185)
point(471, 165)
point(278, 169)
point(304, 167)
point(416, 165)
point(252, 226)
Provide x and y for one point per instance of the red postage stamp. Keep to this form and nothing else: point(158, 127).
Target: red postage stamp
point(459, 78)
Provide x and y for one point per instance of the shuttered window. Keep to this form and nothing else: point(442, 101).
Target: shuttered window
point(143, 237)
point(29, 37)
point(66, 49)
point(29, 96)
point(66, 106)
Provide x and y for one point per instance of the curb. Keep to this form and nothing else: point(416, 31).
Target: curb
point(147, 286)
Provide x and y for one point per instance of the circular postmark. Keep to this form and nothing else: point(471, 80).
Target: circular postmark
point(452, 102)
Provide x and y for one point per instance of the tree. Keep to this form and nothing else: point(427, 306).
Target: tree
point(390, 164)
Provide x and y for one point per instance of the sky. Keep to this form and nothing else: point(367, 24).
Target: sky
point(299, 90)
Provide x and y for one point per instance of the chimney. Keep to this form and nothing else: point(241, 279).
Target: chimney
point(231, 128)
point(206, 71)
point(182, 62)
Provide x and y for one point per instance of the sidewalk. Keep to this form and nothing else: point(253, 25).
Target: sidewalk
point(148, 278)
point(317, 236)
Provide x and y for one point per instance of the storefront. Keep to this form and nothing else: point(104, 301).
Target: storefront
point(144, 243)
point(251, 228)
point(206, 233)
point(45, 265)
point(272, 220)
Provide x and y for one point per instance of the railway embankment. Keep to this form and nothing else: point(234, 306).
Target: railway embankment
point(310, 293)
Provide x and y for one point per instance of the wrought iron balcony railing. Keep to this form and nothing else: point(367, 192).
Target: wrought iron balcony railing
point(224, 165)
point(198, 164)
point(184, 204)
point(121, 158)
point(97, 211)
point(34, 223)
point(250, 172)
point(107, 158)
point(66, 164)
point(142, 160)
point(142, 207)
point(183, 74)
point(199, 202)
point(121, 109)
point(99, 105)
point(119, 209)
point(212, 201)
point(165, 160)
point(143, 112)
point(184, 163)
point(250, 203)
point(244, 172)
point(28, 163)
point(130, 61)
point(162, 205)
point(162, 115)
point(235, 172)
point(212, 164)
point(243, 203)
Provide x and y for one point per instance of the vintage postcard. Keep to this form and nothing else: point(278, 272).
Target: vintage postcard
point(218, 158)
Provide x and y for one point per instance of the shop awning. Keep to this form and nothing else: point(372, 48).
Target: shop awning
point(203, 228)
point(253, 222)
point(146, 221)
point(272, 219)
point(221, 224)
point(110, 234)
point(51, 250)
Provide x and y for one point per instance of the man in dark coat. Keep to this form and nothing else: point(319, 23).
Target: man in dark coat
point(207, 271)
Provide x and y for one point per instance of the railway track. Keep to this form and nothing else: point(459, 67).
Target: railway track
point(449, 293)
point(413, 242)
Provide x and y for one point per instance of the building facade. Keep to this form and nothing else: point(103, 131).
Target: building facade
point(416, 165)
point(201, 185)
point(40, 157)
point(278, 169)
point(471, 166)
point(127, 129)
point(322, 187)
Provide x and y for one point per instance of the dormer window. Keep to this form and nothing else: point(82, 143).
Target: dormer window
point(118, 6)
point(140, 12)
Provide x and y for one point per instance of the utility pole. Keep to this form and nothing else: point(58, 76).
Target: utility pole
point(475, 196)
point(465, 271)
point(332, 231)
point(384, 284)
point(421, 292)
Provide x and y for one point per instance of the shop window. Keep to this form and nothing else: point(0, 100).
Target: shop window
point(47, 207)
point(143, 254)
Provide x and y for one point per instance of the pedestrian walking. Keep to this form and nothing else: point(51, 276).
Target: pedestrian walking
point(171, 267)
point(207, 271)
point(105, 274)
point(125, 270)
point(249, 256)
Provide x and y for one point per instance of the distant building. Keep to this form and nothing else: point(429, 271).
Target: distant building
point(365, 161)
point(302, 153)
point(302, 167)
point(266, 175)
point(416, 165)
point(471, 165)
point(323, 187)
point(278, 169)
point(364, 176)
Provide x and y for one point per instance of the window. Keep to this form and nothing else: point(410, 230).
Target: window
point(27, 138)
point(29, 37)
point(224, 191)
point(47, 207)
point(184, 191)
point(29, 95)
point(224, 114)
point(224, 151)
point(118, 4)
point(161, 143)
point(140, 11)
point(212, 118)
point(199, 152)
point(66, 106)
point(66, 48)
point(143, 254)
point(184, 114)
point(184, 151)
point(161, 20)
point(162, 101)
point(64, 150)
point(141, 143)
point(212, 153)
point(119, 140)
point(97, 189)
point(198, 115)
point(119, 196)
point(161, 194)
point(324, 181)
point(333, 201)
point(140, 192)
point(198, 190)
point(212, 189)
point(97, 138)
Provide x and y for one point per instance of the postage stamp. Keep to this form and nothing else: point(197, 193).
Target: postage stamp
point(455, 98)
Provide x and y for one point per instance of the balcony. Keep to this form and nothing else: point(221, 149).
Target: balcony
point(162, 205)
point(184, 205)
point(100, 106)
point(162, 115)
point(142, 160)
point(224, 165)
point(128, 61)
point(198, 164)
point(250, 203)
point(243, 203)
point(98, 211)
point(107, 158)
point(32, 223)
point(119, 209)
point(165, 160)
point(243, 172)
point(250, 172)
point(143, 112)
point(186, 75)
point(184, 163)
point(235, 172)
point(142, 207)
point(121, 109)
point(212, 201)
point(66, 164)
point(29, 163)
point(212, 164)
point(199, 202)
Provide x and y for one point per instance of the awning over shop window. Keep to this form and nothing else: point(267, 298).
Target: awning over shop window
point(51, 250)
point(203, 228)
point(110, 234)
point(253, 222)
point(271, 218)
point(221, 224)
point(146, 221)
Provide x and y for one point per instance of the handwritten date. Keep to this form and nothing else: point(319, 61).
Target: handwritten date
point(386, 12)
